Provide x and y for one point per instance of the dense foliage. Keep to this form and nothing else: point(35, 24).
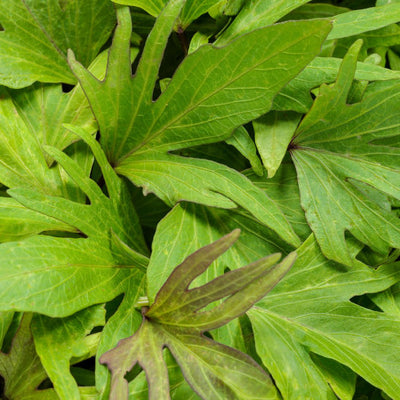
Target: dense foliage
point(199, 199)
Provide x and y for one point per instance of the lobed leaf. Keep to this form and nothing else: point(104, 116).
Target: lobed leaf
point(64, 337)
point(338, 145)
point(213, 368)
point(37, 34)
point(192, 113)
point(310, 312)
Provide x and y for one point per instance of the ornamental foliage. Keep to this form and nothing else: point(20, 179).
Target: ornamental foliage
point(199, 199)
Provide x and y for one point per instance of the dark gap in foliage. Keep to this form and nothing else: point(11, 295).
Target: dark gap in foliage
point(354, 5)
point(133, 373)
point(220, 152)
point(83, 376)
point(365, 302)
point(150, 208)
point(148, 233)
point(173, 56)
point(96, 329)
point(2, 384)
point(89, 364)
point(97, 176)
point(66, 88)
point(365, 391)
point(11, 331)
point(62, 234)
point(46, 384)
point(248, 336)
point(112, 306)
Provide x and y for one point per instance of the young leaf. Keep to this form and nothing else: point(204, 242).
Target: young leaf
point(138, 139)
point(64, 337)
point(310, 312)
point(36, 38)
point(273, 133)
point(243, 143)
point(337, 145)
point(174, 320)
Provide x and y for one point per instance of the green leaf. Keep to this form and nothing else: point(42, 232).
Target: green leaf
point(312, 10)
point(388, 300)
point(6, 319)
point(127, 319)
point(310, 312)
point(33, 118)
point(21, 367)
point(192, 9)
point(189, 226)
point(296, 94)
point(76, 272)
point(257, 14)
point(273, 133)
point(64, 337)
point(153, 7)
point(284, 190)
point(354, 22)
point(18, 222)
point(341, 379)
point(139, 138)
point(174, 321)
point(338, 145)
point(179, 388)
point(37, 35)
point(205, 182)
point(104, 213)
point(242, 141)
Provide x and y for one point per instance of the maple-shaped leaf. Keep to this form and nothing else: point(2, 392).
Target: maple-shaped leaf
point(213, 92)
point(312, 336)
point(176, 320)
point(68, 339)
point(37, 35)
point(104, 213)
point(341, 150)
point(77, 272)
point(33, 118)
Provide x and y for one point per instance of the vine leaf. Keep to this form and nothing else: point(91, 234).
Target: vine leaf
point(36, 37)
point(138, 134)
point(312, 313)
point(342, 153)
point(175, 321)
point(79, 272)
point(66, 338)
